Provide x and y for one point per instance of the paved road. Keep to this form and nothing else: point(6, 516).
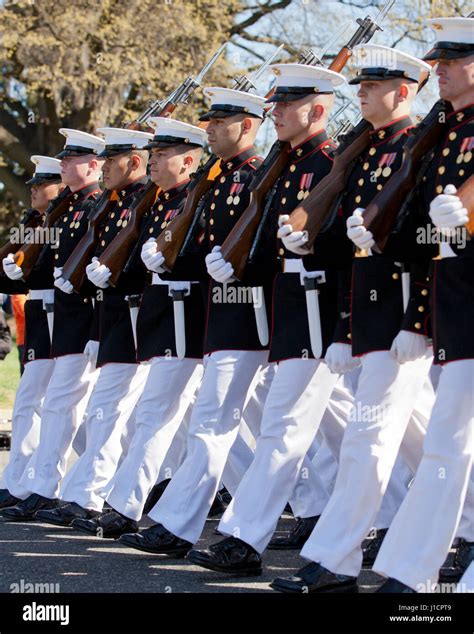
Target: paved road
point(41, 553)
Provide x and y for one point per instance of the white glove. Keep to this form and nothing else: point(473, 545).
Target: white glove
point(64, 285)
point(356, 231)
point(339, 358)
point(447, 211)
point(217, 267)
point(152, 258)
point(12, 270)
point(294, 241)
point(91, 351)
point(408, 346)
point(97, 273)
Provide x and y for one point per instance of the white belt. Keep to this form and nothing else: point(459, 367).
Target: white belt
point(46, 295)
point(293, 265)
point(177, 286)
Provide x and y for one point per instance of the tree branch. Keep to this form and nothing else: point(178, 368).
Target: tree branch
point(9, 122)
point(265, 9)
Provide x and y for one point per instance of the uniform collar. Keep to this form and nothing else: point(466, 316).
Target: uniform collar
point(84, 192)
point(460, 116)
point(238, 160)
point(132, 187)
point(308, 146)
point(169, 194)
point(380, 135)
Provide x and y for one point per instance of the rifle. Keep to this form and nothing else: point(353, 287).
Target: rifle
point(74, 269)
point(179, 232)
point(170, 242)
point(180, 95)
point(382, 212)
point(31, 220)
point(466, 194)
point(241, 240)
point(313, 213)
point(116, 254)
point(28, 255)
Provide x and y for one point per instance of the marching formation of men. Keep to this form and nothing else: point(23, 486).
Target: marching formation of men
point(333, 373)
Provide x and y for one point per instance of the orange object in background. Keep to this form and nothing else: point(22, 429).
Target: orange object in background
point(18, 304)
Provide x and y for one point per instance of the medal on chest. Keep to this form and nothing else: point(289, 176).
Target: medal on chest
point(305, 185)
point(75, 222)
point(233, 198)
point(465, 152)
point(123, 219)
point(384, 165)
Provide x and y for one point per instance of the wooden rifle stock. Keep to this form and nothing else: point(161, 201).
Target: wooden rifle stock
point(74, 269)
point(341, 59)
point(31, 221)
point(315, 210)
point(170, 241)
point(381, 214)
point(466, 194)
point(116, 254)
point(237, 245)
point(28, 255)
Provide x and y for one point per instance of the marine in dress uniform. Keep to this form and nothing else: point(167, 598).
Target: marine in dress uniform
point(303, 384)
point(45, 186)
point(121, 379)
point(175, 152)
point(73, 376)
point(234, 356)
point(386, 389)
point(423, 529)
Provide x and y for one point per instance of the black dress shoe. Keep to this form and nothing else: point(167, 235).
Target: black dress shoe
point(218, 506)
point(64, 515)
point(231, 555)
point(393, 586)
point(463, 557)
point(25, 511)
point(157, 540)
point(109, 525)
point(225, 495)
point(7, 499)
point(154, 495)
point(371, 551)
point(315, 578)
point(296, 538)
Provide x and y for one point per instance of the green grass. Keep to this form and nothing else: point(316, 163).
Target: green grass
point(9, 378)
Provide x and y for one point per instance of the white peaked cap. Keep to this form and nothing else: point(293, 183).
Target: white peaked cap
point(46, 164)
point(454, 38)
point(118, 140)
point(375, 62)
point(47, 168)
point(226, 102)
point(295, 81)
point(78, 142)
point(172, 132)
